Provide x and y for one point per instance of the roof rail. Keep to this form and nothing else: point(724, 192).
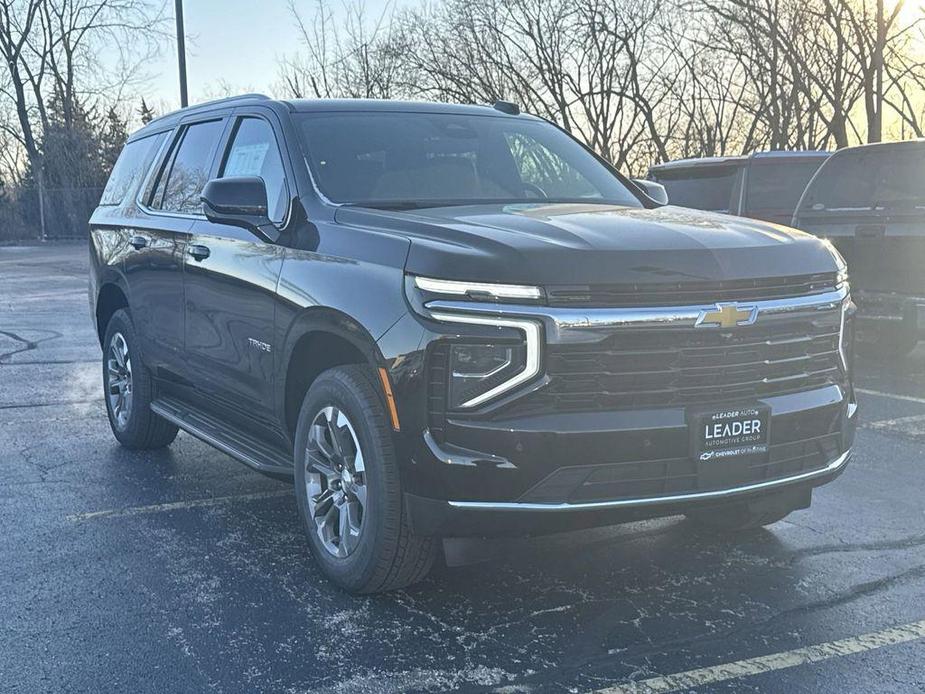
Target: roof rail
point(214, 102)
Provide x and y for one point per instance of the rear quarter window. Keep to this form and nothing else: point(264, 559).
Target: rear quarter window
point(130, 168)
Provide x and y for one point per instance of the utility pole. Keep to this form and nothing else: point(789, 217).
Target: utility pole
point(876, 126)
point(181, 53)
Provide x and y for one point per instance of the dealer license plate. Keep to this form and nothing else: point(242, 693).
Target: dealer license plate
point(730, 433)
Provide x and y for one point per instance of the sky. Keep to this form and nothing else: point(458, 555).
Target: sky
point(230, 42)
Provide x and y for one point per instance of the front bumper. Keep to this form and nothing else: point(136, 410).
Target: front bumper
point(544, 467)
point(488, 519)
point(548, 490)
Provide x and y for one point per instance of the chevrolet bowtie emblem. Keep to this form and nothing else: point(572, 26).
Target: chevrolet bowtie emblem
point(727, 316)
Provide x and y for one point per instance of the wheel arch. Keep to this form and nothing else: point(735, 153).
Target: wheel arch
point(317, 340)
point(110, 298)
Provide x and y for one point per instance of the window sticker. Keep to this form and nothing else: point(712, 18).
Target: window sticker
point(247, 160)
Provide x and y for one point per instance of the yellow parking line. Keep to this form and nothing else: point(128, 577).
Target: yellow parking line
point(173, 506)
point(776, 661)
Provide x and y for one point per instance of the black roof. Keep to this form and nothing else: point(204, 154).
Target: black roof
point(323, 105)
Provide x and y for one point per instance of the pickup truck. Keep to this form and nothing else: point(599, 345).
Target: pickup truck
point(869, 202)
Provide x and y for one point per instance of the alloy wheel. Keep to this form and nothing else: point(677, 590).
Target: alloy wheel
point(335, 481)
point(119, 380)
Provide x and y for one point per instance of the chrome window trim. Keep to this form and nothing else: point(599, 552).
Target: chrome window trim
point(532, 333)
point(515, 506)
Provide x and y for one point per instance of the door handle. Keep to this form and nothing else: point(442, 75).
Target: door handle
point(198, 252)
point(138, 242)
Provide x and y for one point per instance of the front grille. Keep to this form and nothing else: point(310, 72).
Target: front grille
point(688, 293)
point(670, 366)
point(654, 478)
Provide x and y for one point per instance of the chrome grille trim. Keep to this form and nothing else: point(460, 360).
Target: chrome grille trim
point(586, 325)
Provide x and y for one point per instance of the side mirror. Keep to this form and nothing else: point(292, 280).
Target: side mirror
point(654, 191)
point(240, 201)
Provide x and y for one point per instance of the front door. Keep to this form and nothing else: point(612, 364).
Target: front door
point(230, 283)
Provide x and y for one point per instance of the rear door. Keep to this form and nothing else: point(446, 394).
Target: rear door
point(167, 212)
point(231, 279)
point(153, 269)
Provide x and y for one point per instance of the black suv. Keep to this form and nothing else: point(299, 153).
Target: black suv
point(870, 202)
point(763, 185)
point(457, 320)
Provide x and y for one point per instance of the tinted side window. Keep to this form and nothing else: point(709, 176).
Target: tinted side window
point(887, 177)
point(778, 185)
point(254, 152)
point(188, 171)
point(703, 189)
point(130, 167)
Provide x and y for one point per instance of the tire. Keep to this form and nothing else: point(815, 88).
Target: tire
point(889, 342)
point(349, 495)
point(133, 424)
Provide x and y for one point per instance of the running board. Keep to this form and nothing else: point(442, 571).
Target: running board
point(245, 448)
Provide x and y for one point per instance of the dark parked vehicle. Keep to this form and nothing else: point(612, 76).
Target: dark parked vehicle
point(870, 202)
point(456, 320)
point(763, 185)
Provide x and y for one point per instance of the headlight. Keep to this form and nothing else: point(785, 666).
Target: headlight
point(483, 370)
point(476, 369)
point(478, 291)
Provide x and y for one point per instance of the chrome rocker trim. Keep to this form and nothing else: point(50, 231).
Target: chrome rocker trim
point(832, 467)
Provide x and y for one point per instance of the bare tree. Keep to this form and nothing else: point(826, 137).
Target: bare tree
point(348, 55)
point(50, 51)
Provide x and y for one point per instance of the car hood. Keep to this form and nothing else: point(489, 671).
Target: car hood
point(594, 243)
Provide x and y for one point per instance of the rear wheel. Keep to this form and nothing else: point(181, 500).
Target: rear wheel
point(348, 487)
point(128, 389)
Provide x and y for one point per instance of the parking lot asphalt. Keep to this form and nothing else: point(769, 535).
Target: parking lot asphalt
point(182, 570)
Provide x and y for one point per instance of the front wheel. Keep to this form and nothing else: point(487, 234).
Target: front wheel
point(348, 487)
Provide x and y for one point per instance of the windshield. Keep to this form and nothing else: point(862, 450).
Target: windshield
point(703, 188)
point(778, 185)
point(425, 159)
point(870, 178)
